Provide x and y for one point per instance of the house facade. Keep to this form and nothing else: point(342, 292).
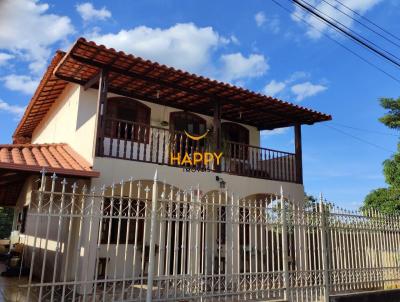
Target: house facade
point(100, 117)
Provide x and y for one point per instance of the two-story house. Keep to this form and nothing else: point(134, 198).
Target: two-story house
point(100, 116)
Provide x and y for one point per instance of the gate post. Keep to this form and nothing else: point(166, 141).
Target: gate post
point(285, 249)
point(150, 272)
point(324, 248)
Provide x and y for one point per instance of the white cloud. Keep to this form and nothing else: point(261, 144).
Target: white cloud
point(306, 89)
point(188, 47)
point(274, 24)
point(89, 13)
point(234, 40)
point(260, 19)
point(183, 45)
point(4, 57)
point(274, 87)
point(277, 131)
point(236, 66)
point(318, 27)
point(28, 30)
point(296, 76)
point(20, 83)
point(15, 110)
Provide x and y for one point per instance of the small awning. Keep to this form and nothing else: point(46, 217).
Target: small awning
point(53, 158)
point(19, 161)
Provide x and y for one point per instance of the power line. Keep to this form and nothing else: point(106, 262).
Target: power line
point(348, 34)
point(359, 22)
point(349, 30)
point(358, 138)
point(365, 130)
point(339, 43)
point(369, 21)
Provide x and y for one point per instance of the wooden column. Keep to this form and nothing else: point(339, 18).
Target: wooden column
point(298, 152)
point(217, 129)
point(102, 108)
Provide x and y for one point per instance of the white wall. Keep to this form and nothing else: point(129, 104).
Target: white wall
point(115, 170)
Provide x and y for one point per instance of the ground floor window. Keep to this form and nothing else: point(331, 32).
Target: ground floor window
point(132, 219)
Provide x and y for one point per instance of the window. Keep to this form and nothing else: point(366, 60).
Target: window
point(192, 123)
point(101, 271)
point(135, 220)
point(244, 226)
point(127, 119)
point(22, 219)
point(235, 133)
point(221, 218)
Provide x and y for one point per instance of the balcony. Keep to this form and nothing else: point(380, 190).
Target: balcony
point(140, 142)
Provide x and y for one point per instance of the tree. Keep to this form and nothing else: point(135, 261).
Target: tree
point(387, 200)
point(392, 118)
point(310, 201)
point(391, 169)
point(6, 221)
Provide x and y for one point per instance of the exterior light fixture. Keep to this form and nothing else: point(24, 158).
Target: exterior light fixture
point(222, 183)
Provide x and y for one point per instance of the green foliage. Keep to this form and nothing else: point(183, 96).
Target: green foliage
point(6, 221)
point(391, 169)
point(310, 201)
point(385, 200)
point(392, 118)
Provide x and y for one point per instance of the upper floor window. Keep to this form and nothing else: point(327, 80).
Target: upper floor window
point(192, 123)
point(235, 133)
point(127, 118)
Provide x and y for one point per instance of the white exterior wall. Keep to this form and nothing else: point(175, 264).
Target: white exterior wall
point(115, 170)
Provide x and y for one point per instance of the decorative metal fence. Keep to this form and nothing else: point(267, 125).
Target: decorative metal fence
point(149, 241)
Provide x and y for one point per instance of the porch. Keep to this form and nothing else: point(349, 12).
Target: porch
point(157, 145)
point(118, 74)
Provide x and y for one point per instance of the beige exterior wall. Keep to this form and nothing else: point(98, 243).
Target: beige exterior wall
point(159, 113)
point(71, 120)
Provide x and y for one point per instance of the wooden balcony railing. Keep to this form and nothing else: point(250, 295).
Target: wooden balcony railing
point(140, 142)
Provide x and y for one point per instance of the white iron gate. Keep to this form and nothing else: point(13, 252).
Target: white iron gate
point(149, 241)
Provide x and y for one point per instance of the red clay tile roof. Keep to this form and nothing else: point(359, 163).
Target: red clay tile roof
point(57, 158)
point(49, 89)
point(135, 77)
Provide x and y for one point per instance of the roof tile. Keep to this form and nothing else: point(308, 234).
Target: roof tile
point(57, 158)
point(179, 89)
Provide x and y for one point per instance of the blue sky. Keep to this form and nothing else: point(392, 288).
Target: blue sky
point(251, 43)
